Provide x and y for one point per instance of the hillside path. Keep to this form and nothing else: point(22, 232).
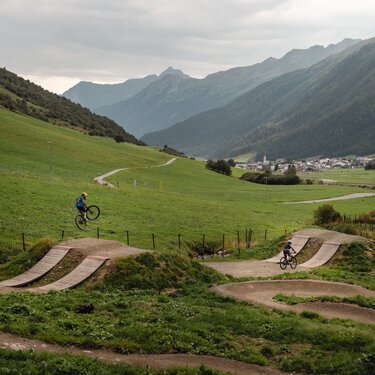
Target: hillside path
point(100, 179)
point(342, 197)
point(161, 361)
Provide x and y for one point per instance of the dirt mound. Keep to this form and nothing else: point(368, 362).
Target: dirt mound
point(105, 248)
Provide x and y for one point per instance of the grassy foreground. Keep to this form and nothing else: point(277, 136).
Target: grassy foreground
point(190, 320)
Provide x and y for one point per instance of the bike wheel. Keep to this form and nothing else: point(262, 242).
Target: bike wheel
point(80, 222)
point(293, 262)
point(92, 212)
point(283, 263)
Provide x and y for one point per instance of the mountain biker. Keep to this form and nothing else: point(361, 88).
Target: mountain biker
point(287, 248)
point(81, 204)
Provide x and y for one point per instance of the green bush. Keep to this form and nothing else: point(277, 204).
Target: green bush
point(326, 214)
point(219, 166)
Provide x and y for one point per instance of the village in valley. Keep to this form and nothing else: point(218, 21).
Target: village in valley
point(314, 165)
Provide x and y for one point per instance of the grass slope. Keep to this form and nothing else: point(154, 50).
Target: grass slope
point(182, 198)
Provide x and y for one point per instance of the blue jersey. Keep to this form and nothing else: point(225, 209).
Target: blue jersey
point(80, 201)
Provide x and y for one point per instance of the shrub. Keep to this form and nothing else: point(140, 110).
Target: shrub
point(326, 214)
point(265, 178)
point(219, 166)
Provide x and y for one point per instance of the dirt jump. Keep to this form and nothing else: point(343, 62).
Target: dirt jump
point(96, 252)
point(330, 243)
point(263, 292)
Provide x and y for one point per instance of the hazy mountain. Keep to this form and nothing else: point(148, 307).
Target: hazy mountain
point(174, 97)
point(20, 95)
point(327, 109)
point(93, 95)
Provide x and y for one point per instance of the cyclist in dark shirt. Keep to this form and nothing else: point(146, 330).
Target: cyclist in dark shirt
point(81, 204)
point(287, 248)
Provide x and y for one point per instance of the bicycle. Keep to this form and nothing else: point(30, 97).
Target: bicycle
point(92, 213)
point(292, 261)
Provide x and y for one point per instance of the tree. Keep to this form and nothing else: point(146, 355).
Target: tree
point(291, 171)
point(219, 166)
point(370, 165)
point(231, 162)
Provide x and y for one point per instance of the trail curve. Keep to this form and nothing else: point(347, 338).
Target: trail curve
point(100, 179)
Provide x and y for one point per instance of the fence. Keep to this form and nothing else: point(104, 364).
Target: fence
point(233, 239)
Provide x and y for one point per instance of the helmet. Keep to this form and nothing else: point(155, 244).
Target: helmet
point(289, 241)
point(85, 194)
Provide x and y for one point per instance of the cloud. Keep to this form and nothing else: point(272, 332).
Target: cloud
point(113, 40)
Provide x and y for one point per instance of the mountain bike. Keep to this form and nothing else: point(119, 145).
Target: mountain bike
point(292, 261)
point(92, 213)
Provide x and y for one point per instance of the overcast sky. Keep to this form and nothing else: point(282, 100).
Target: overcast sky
point(57, 43)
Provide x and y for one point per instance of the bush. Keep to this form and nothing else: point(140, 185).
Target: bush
point(265, 178)
point(370, 165)
point(219, 166)
point(326, 214)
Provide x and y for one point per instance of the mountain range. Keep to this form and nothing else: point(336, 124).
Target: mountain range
point(327, 109)
point(158, 102)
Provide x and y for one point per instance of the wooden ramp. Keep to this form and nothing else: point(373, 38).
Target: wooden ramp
point(88, 266)
point(40, 269)
point(324, 254)
point(298, 243)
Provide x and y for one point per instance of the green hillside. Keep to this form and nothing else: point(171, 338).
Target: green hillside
point(44, 167)
point(20, 95)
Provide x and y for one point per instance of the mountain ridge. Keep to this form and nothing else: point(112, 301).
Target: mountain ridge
point(156, 108)
point(275, 117)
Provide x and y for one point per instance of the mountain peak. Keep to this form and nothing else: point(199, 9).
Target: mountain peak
point(172, 71)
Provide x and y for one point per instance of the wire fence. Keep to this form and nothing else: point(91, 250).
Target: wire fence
point(233, 239)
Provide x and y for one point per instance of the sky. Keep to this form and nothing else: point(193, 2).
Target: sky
point(57, 43)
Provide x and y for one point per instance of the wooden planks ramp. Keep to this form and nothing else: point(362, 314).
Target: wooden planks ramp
point(298, 243)
point(324, 254)
point(88, 266)
point(40, 269)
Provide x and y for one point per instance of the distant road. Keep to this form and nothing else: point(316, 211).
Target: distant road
point(343, 197)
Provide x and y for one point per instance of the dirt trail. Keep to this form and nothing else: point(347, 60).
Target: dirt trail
point(100, 179)
point(9, 341)
point(342, 197)
point(262, 292)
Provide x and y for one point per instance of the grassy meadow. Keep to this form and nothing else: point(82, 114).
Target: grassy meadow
point(45, 167)
point(134, 312)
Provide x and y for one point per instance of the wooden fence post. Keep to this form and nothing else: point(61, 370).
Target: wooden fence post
point(250, 235)
point(23, 242)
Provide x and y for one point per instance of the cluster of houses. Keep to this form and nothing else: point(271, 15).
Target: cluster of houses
point(305, 165)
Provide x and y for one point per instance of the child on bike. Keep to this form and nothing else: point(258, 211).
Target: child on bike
point(287, 248)
point(81, 205)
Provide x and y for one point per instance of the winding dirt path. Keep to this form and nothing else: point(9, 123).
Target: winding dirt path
point(262, 293)
point(13, 342)
point(100, 179)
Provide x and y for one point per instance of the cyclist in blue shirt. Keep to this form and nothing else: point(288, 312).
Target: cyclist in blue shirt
point(81, 204)
point(287, 248)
